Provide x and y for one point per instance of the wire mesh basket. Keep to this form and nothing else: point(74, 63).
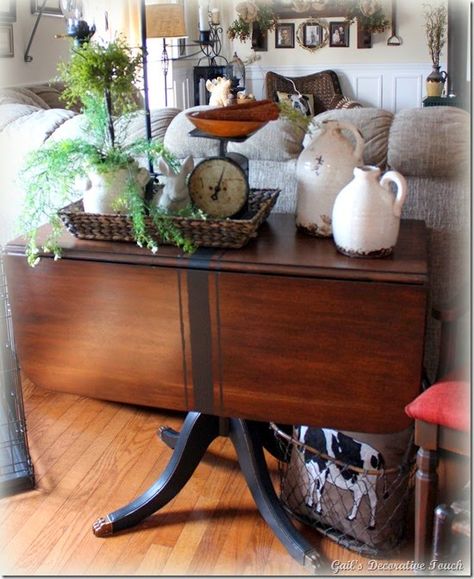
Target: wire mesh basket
point(347, 489)
point(16, 469)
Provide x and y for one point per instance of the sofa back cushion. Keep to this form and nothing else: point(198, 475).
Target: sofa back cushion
point(432, 141)
point(51, 95)
point(431, 148)
point(21, 96)
point(278, 140)
point(179, 142)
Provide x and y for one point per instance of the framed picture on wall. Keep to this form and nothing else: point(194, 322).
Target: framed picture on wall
point(312, 35)
point(8, 11)
point(285, 36)
point(339, 34)
point(6, 40)
point(51, 8)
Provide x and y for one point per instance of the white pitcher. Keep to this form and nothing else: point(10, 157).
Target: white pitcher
point(322, 170)
point(366, 215)
point(103, 188)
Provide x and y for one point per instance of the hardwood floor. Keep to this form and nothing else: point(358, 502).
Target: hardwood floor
point(92, 457)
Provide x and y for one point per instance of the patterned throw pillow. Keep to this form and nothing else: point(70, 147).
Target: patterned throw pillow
point(301, 102)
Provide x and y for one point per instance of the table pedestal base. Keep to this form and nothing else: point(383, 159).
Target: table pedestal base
point(199, 430)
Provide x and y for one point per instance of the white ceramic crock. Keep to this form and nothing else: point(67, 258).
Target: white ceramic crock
point(103, 188)
point(366, 215)
point(322, 170)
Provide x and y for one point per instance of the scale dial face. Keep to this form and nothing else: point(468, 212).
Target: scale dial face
point(219, 187)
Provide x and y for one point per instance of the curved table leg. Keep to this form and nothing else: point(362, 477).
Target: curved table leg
point(170, 437)
point(199, 430)
point(245, 437)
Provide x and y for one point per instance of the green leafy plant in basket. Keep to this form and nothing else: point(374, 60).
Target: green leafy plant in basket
point(104, 78)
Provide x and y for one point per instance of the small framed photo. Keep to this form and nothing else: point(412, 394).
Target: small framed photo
point(8, 11)
point(285, 36)
point(339, 34)
point(51, 8)
point(6, 40)
point(312, 35)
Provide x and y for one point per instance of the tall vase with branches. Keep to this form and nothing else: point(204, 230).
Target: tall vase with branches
point(436, 21)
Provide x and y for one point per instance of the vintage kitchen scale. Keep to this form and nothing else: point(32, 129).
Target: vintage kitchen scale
point(220, 185)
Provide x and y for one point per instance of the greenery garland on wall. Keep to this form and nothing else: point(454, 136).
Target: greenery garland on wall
point(250, 14)
point(368, 14)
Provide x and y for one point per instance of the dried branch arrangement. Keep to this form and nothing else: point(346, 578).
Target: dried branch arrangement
point(436, 21)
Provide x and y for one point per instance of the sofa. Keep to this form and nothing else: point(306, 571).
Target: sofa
point(429, 146)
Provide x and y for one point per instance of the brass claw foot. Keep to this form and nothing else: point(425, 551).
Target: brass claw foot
point(312, 560)
point(102, 527)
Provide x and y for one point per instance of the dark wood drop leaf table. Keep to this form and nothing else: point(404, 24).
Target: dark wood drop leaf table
point(285, 330)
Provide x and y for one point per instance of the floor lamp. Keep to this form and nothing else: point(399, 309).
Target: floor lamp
point(165, 21)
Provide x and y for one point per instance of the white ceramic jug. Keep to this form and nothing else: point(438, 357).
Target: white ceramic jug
point(366, 215)
point(323, 168)
point(103, 188)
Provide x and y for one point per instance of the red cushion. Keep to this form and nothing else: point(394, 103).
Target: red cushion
point(445, 403)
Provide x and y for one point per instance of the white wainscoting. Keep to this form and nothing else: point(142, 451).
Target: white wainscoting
point(389, 86)
point(181, 94)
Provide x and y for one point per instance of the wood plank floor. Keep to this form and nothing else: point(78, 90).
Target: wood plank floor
point(92, 457)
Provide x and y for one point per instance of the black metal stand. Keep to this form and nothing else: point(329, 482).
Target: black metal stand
point(199, 430)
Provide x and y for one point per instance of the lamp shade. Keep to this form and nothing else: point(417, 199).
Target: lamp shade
point(165, 21)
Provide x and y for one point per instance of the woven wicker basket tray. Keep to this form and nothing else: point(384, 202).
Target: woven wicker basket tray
point(231, 233)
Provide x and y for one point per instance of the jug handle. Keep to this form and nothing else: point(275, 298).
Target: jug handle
point(360, 143)
point(402, 189)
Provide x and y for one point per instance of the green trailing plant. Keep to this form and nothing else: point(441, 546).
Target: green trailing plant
point(250, 14)
point(436, 21)
point(51, 179)
point(294, 116)
point(104, 78)
point(369, 14)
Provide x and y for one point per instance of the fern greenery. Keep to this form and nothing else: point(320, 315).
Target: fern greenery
point(104, 79)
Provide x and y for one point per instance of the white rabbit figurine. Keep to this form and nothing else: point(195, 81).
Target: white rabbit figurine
point(175, 194)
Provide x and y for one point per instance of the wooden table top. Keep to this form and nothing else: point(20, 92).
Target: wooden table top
point(278, 249)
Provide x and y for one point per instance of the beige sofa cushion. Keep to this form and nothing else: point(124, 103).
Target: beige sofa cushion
point(420, 144)
point(50, 94)
point(278, 140)
point(180, 143)
point(21, 96)
point(373, 124)
point(160, 120)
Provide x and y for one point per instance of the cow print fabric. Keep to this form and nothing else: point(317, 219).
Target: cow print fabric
point(354, 487)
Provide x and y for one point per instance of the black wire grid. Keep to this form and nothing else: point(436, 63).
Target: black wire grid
point(16, 468)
